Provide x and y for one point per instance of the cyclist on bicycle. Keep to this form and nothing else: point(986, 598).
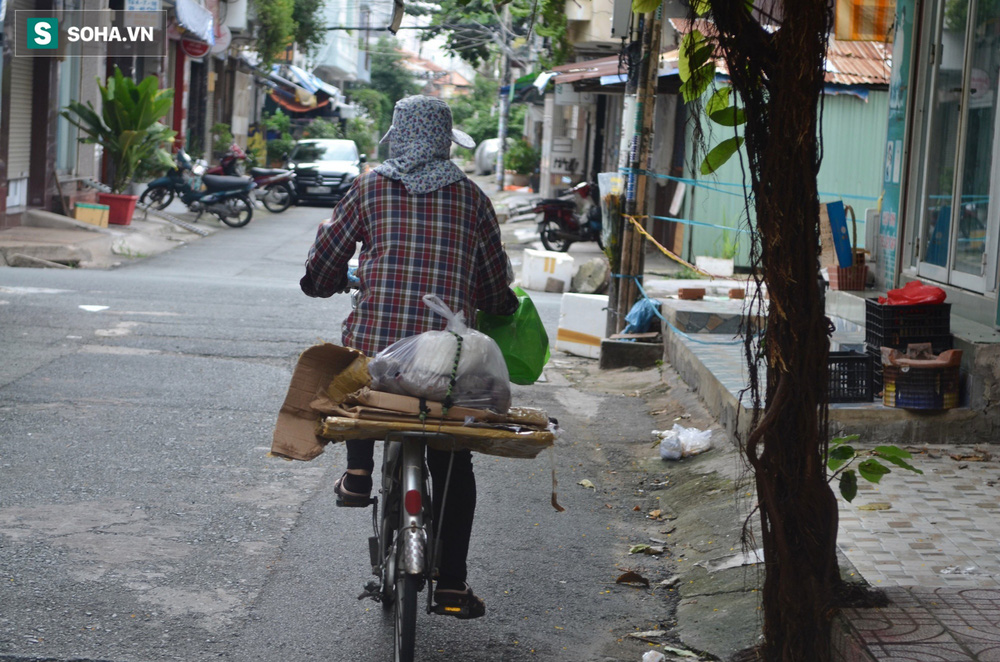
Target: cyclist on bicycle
point(425, 228)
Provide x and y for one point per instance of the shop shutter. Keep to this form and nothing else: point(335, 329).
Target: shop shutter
point(21, 76)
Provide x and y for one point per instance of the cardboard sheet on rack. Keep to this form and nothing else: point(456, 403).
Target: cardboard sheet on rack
point(511, 441)
point(329, 383)
point(325, 370)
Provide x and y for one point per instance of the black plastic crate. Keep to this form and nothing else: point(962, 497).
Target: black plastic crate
point(898, 326)
point(850, 377)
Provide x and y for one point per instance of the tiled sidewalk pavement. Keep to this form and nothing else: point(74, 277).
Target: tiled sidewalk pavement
point(933, 542)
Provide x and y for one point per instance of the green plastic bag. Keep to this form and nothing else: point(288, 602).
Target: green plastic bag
point(521, 337)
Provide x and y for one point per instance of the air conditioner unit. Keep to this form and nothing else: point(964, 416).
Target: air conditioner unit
point(623, 10)
point(620, 18)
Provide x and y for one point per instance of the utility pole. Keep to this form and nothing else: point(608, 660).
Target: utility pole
point(632, 262)
point(504, 98)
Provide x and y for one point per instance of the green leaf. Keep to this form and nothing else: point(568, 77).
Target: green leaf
point(644, 6)
point(719, 100)
point(731, 116)
point(848, 485)
point(701, 7)
point(872, 470)
point(696, 86)
point(900, 462)
point(836, 441)
point(720, 154)
point(689, 52)
point(892, 451)
point(840, 456)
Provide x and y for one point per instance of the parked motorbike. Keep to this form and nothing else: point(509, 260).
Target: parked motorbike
point(573, 216)
point(275, 188)
point(231, 163)
point(226, 197)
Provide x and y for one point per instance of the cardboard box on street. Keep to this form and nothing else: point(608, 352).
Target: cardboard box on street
point(91, 213)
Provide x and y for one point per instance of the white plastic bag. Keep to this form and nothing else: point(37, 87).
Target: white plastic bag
point(680, 442)
point(424, 366)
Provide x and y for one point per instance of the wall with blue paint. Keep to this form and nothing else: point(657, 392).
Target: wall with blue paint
point(854, 138)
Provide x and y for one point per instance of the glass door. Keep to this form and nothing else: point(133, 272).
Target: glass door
point(958, 242)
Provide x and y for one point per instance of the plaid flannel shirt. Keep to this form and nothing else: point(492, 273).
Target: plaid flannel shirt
point(446, 242)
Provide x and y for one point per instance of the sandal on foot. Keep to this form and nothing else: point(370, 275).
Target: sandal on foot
point(460, 603)
point(349, 499)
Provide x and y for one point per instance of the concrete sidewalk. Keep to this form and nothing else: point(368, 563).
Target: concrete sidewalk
point(53, 241)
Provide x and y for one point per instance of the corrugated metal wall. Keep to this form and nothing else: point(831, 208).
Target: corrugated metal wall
point(854, 144)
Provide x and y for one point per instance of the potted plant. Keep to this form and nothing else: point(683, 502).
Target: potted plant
point(522, 161)
point(129, 130)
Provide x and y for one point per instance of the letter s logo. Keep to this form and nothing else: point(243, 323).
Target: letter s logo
point(43, 33)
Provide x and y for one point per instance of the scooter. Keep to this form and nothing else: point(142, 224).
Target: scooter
point(226, 197)
point(275, 188)
point(573, 216)
point(231, 163)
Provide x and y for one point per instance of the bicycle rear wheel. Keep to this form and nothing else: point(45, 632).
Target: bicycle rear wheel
point(405, 605)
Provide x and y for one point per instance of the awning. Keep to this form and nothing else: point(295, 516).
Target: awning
point(289, 102)
point(608, 75)
point(605, 66)
point(312, 82)
point(197, 20)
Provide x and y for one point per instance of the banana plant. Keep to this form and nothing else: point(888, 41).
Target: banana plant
point(128, 126)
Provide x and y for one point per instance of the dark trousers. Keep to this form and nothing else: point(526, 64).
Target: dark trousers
point(455, 527)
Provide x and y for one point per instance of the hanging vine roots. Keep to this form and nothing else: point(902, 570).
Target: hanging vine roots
point(779, 77)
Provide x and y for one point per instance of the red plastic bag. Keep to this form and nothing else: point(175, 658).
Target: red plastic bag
point(914, 293)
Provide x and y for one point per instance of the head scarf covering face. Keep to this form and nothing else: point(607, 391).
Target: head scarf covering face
point(420, 145)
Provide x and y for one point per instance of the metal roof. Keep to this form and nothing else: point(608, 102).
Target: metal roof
point(867, 63)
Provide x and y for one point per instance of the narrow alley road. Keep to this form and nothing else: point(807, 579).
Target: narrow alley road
point(140, 519)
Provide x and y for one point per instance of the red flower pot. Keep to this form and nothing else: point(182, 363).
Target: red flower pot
point(121, 207)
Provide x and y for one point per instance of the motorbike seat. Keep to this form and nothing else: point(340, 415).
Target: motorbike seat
point(557, 202)
point(225, 182)
point(265, 172)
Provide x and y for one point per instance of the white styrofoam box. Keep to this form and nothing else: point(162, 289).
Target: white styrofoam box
point(538, 266)
point(583, 319)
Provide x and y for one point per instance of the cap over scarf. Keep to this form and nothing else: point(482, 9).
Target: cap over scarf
point(420, 145)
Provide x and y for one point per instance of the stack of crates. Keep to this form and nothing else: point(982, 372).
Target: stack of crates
point(898, 326)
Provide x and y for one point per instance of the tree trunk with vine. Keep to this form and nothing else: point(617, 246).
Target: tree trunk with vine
point(779, 76)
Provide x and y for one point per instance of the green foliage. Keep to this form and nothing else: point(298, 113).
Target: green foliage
point(128, 127)
point(720, 154)
point(552, 25)
point(310, 24)
point(222, 137)
point(730, 244)
point(522, 158)
point(471, 28)
point(696, 67)
point(275, 28)
point(321, 128)
point(475, 113)
point(281, 124)
point(388, 76)
point(362, 131)
point(377, 105)
point(841, 455)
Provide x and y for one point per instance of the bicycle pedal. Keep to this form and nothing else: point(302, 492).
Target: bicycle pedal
point(358, 503)
point(450, 610)
point(371, 591)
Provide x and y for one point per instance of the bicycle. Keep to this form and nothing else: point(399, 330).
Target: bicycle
point(401, 556)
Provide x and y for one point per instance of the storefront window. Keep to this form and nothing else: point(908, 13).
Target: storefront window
point(958, 224)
